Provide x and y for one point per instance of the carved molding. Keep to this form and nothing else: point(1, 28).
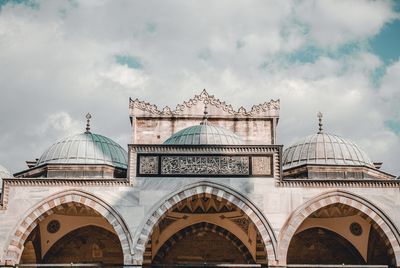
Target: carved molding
point(64, 182)
point(270, 108)
point(201, 149)
point(306, 183)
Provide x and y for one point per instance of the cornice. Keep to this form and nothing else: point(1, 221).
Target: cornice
point(64, 182)
point(308, 183)
point(203, 149)
point(270, 108)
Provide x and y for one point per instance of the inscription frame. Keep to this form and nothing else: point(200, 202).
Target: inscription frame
point(250, 161)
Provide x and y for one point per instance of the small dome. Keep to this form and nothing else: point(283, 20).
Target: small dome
point(85, 148)
point(204, 134)
point(325, 149)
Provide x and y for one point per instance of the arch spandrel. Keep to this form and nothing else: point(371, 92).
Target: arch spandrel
point(375, 215)
point(46, 207)
point(220, 192)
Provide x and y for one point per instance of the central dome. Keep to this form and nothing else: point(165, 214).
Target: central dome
point(85, 148)
point(204, 134)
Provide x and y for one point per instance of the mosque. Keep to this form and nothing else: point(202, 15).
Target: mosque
point(201, 184)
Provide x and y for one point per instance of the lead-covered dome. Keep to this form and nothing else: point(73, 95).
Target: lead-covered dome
point(325, 149)
point(204, 134)
point(85, 148)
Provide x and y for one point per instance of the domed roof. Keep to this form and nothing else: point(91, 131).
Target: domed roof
point(85, 148)
point(325, 149)
point(204, 134)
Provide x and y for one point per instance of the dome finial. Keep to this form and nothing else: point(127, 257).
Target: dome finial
point(88, 116)
point(319, 115)
point(205, 116)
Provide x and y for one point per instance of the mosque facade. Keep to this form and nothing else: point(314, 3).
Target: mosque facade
point(201, 184)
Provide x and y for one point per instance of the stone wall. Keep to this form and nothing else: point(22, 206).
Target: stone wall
point(153, 126)
point(137, 204)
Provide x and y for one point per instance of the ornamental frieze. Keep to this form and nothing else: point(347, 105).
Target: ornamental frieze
point(161, 164)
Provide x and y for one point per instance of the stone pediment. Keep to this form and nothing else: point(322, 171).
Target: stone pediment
point(195, 107)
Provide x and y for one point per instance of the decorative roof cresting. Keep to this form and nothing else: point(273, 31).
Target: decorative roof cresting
point(270, 108)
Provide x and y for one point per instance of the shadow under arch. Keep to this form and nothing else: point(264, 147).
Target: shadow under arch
point(47, 206)
point(311, 242)
point(212, 189)
point(204, 226)
point(375, 215)
point(81, 242)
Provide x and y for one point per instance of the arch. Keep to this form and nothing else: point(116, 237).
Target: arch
point(374, 215)
point(49, 205)
point(204, 226)
point(208, 189)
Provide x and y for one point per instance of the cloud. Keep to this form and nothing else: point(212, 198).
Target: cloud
point(66, 58)
point(332, 23)
point(58, 122)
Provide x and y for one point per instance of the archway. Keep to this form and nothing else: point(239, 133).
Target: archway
point(61, 205)
point(214, 205)
point(347, 215)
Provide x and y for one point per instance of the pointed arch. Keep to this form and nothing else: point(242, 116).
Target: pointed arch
point(49, 205)
point(209, 189)
point(372, 213)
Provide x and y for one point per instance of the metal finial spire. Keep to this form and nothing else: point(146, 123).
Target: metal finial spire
point(319, 115)
point(205, 116)
point(88, 116)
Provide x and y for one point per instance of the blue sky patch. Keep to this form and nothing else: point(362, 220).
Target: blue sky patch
point(393, 125)
point(306, 54)
point(29, 3)
point(130, 61)
point(377, 75)
point(151, 27)
point(386, 44)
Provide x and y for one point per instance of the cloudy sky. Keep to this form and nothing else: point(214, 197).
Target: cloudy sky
point(62, 59)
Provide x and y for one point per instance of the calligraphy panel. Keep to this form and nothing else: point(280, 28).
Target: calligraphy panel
point(205, 165)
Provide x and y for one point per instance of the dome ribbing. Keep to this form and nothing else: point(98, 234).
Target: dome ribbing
point(85, 148)
point(204, 134)
point(325, 149)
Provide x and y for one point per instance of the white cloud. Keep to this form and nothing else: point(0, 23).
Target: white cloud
point(61, 57)
point(390, 91)
point(60, 123)
point(333, 23)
